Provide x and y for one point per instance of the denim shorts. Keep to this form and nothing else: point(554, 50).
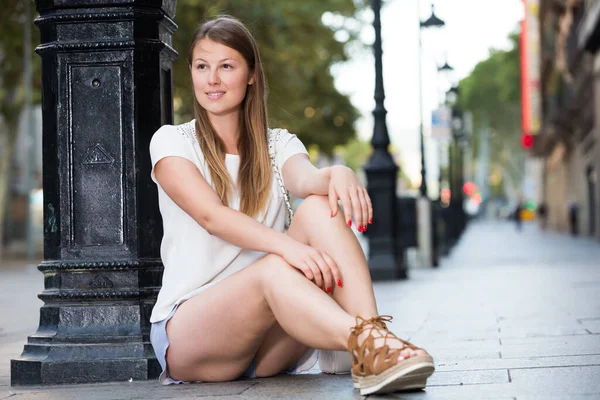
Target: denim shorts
point(160, 343)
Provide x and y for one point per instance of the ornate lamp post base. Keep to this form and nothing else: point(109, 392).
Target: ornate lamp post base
point(106, 73)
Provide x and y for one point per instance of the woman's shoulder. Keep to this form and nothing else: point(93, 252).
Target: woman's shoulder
point(187, 130)
point(277, 135)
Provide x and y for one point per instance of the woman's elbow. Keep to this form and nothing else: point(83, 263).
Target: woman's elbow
point(209, 220)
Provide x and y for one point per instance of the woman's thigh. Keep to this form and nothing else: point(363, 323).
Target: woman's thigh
point(215, 335)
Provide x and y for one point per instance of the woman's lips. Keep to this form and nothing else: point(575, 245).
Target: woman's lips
point(215, 95)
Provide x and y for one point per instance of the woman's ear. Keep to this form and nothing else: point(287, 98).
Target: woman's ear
point(251, 80)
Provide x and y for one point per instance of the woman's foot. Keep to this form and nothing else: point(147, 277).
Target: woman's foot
point(382, 362)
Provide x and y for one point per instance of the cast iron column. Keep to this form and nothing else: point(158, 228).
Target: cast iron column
point(106, 72)
point(385, 258)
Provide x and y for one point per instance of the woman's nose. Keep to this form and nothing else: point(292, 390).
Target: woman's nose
point(213, 77)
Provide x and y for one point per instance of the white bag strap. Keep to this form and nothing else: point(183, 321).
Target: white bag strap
point(273, 139)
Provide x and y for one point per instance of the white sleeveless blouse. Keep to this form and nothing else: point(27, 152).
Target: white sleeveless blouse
point(193, 259)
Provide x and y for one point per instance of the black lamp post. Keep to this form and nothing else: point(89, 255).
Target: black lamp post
point(103, 62)
point(385, 261)
point(432, 22)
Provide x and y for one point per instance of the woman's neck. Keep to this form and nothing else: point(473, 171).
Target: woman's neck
point(228, 129)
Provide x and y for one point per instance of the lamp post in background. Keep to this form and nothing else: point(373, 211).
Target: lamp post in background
point(432, 22)
point(424, 207)
point(437, 224)
point(385, 258)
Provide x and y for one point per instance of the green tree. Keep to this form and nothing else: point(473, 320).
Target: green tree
point(492, 93)
point(356, 153)
point(297, 51)
point(12, 23)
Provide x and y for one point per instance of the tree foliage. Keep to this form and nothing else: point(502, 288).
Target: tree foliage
point(492, 93)
point(12, 48)
point(297, 51)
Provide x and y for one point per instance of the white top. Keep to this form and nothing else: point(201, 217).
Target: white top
point(193, 258)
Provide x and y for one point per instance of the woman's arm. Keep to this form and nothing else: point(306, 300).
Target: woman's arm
point(338, 182)
point(185, 185)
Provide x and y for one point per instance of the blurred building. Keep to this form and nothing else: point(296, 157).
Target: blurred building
point(20, 189)
point(568, 139)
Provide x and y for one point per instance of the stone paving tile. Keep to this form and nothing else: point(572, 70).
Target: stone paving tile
point(519, 363)
point(550, 346)
point(468, 377)
point(437, 394)
point(592, 325)
point(456, 334)
point(557, 381)
point(146, 390)
point(540, 330)
point(591, 396)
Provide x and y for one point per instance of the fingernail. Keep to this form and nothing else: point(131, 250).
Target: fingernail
point(328, 290)
point(331, 216)
point(339, 283)
point(350, 223)
point(365, 228)
point(360, 228)
point(371, 221)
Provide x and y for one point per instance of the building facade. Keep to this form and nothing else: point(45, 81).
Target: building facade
point(569, 136)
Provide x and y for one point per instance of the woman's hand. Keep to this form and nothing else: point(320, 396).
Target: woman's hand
point(344, 186)
point(315, 264)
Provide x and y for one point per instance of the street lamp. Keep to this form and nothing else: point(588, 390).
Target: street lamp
point(432, 22)
point(425, 223)
point(381, 171)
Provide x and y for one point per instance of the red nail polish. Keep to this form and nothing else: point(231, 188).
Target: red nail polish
point(360, 228)
point(328, 290)
point(339, 283)
point(350, 223)
point(364, 228)
point(371, 221)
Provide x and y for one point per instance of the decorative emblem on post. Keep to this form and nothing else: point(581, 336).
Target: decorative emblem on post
point(97, 155)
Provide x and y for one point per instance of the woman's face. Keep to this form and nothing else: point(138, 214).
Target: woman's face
point(220, 76)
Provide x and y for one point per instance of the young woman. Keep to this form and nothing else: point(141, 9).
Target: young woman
point(240, 297)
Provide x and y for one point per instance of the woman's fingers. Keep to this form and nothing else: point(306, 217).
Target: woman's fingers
point(369, 206)
point(326, 273)
point(356, 206)
point(362, 194)
point(316, 271)
point(333, 201)
point(347, 204)
point(334, 270)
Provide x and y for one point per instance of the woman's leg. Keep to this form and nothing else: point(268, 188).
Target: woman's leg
point(313, 225)
point(214, 335)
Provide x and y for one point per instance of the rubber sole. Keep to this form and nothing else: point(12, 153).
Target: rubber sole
point(408, 375)
point(355, 382)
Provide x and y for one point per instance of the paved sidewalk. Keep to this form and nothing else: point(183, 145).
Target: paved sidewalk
point(507, 316)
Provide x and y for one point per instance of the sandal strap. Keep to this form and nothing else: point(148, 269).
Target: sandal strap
point(368, 359)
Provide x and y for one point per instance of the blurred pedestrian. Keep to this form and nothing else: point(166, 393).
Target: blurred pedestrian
point(574, 217)
point(518, 217)
point(543, 214)
point(239, 297)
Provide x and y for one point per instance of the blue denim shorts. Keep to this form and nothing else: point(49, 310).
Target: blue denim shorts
point(160, 343)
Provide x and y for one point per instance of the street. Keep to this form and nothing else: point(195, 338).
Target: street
point(508, 315)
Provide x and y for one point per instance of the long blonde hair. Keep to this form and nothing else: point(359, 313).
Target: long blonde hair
point(254, 175)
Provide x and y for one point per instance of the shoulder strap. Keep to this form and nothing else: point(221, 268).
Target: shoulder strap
point(273, 139)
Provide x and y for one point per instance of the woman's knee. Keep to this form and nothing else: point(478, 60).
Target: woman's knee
point(313, 205)
point(274, 269)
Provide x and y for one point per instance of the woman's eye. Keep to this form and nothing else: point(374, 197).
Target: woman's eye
point(201, 66)
point(227, 66)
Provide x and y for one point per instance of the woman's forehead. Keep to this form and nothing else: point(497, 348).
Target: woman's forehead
point(210, 50)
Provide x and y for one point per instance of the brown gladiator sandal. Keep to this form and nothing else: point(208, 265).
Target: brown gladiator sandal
point(377, 367)
point(379, 321)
